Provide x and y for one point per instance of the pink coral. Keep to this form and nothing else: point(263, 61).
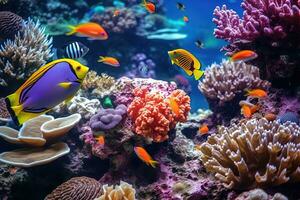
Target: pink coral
point(151, 114)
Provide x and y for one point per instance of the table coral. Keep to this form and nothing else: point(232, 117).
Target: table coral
point(30, 50)
point(151, 113)
point(255, 153)
point(269, 27)
point(77, 188)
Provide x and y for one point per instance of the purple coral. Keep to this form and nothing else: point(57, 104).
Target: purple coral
point(107, 119)
point(142, 67)
point(269, 27)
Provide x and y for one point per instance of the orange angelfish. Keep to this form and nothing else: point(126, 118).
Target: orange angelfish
point(91, 30)
point(186, 19)
point(257, 93)
point(144, 156)
point(244, 55)
point(150, 7)
point(100, 139)
point(109, 61)
point(203, 129)
point(174, 106)
point(246, 111)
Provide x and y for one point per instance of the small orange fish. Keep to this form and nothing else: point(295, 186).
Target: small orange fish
point(256, 93)
point(186, 19)
point(254, 109)
point(174, 106)
point(246, 111)
point(109, 61)
point(244, 55)
point(150, 7)
point(100, 139)
point(270, 116)
point(91, 30)
point(203, 129)
point(144, 156)
point(116, 13)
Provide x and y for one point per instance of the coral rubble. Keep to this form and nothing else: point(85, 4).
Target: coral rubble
point(256, 153)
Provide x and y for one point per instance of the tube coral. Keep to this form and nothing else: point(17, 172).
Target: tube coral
point(256, 153)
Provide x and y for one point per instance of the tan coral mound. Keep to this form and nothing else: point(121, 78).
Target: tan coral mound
point(99, 85)
point(256, 153)
point(124, 191)
point(223, 82)
point(77, 188)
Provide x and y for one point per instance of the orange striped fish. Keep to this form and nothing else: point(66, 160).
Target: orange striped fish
point(144, 156)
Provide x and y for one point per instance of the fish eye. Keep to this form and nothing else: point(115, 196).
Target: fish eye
point(78, 68)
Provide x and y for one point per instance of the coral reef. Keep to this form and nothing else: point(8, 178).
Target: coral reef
point(255, 153)
point(124, 191)
point(270, 29)
point(151, 114)
point(99, 86)
point(222, 83)
point(261, 195)
point(30, 50)
point(4, 114)
point(107, 119)
point(77, 188)
point(142, 67)
point(126, 21)
point(10, 24)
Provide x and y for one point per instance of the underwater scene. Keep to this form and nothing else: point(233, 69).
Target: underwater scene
point(149, 99)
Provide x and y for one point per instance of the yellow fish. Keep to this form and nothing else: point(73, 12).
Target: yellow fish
point(50, 85)
point(187, 61)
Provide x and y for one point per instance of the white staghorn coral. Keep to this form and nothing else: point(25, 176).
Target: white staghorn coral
point(223, 82)
point(30, 50)
point(256, 153)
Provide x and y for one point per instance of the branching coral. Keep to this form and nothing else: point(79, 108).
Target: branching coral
point(270, 27)
point(152, 115)
point(125, 21)
point(256, 153)
point(99, 85)
point(30, 50)
point(124, 191)
point(78, 188)
point(223, 82)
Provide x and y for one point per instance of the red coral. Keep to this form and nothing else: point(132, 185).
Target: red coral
point(152, 115)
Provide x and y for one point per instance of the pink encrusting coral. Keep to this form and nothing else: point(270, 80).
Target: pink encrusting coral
point(151, 113)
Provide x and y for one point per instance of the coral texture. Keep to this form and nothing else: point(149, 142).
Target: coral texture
point(30, 50)
point(256, 153)
point(142, 67)
point(269, 27)
point(10, 24)
point(223, 82)
point(125, 21)
point(124, 191)
point(78, 188)
point(152, 115)
point(107, 119)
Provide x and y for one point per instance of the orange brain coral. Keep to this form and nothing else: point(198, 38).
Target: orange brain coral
point(152, 115)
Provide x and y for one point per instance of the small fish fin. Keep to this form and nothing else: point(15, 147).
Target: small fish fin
point(172, 61)
point(13, 99)
point(189, 72)
point(65, 85)
point(247, 92)
point(73, 30)
point(17, 109)
point(153, 163)
point(198, 74)
point(101, 58)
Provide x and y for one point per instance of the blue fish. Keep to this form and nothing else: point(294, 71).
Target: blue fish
point(50, 85)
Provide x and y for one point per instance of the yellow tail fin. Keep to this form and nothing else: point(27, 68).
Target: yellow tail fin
point(17, 109)
point(73, 30)
point(198, 74)
point(101, 59)
point(153, 163)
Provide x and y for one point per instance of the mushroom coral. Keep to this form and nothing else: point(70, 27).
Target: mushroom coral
point(152, 115)
point(255, 153)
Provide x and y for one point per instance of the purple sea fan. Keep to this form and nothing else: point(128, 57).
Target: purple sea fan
point(107, 119)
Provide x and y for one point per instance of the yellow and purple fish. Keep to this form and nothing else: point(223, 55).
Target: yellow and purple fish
point(50, 85)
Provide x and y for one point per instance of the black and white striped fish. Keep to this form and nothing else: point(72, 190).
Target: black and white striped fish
point(75, 50)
